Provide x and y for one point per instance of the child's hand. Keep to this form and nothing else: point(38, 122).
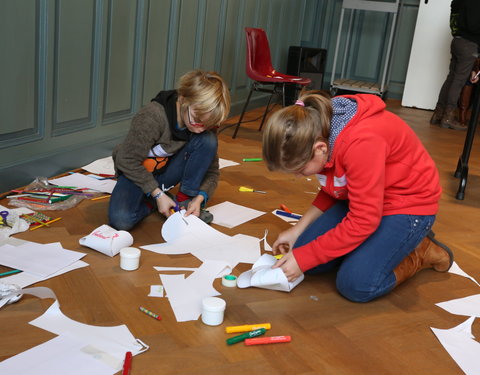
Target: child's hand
point(285, 241)
point(194, 206)
point(475, 76)
point(164, 204)
point(289, 266)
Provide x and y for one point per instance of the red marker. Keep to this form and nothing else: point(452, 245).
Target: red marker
point(127, 364)
point(268, 340)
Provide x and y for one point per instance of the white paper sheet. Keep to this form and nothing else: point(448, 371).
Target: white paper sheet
point(38, 259)
point(468, 306)
point(82, 181)
point(461, 345)
point(455, 269)
point(101, 166)
point(230, 215)
point(226, 163)
point(263, 276)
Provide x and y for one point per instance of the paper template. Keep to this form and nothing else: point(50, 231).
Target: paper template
point(38, 259)
point(101, 166)
point(468, 306)
point(223, 163)
point(82, 181)
point(455, 269)
point(461, 345)
point(230, 215)
point(107, 240)
point(186, 294)
point(263, 276)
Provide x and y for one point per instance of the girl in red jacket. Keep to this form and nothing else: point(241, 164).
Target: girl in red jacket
point(379, 194)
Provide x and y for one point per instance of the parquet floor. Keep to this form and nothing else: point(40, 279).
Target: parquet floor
point(330, 335)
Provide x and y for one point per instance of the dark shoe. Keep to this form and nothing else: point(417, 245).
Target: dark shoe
point(430, 253)
point(437, 115)
point(449, 119)
point(205, 215)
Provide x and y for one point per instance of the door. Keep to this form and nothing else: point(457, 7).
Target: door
point(429, 56)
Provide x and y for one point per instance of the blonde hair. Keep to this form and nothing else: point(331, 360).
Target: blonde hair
point(208, 92)
point(291, 132)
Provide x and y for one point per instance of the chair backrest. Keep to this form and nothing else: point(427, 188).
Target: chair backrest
point(259, 63)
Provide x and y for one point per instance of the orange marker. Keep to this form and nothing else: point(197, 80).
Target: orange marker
point(285, 208)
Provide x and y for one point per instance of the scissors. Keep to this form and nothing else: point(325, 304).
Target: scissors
point(4, 215)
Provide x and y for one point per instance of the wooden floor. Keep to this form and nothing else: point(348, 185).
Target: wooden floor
point(330, 335)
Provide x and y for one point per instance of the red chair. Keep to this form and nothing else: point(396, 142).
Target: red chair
point(259, 69)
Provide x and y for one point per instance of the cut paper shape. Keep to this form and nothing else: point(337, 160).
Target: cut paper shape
point(455, 269)
point(230, 215)
point(460, 343)
point(468, 306)
point(263, 276)
point(223, 163)
point(101, 166)
point(107, 240)
point(186, 294)
point(156, 291)
point(38, 259)
point(106, 345)
point(266, 245)
point(79, 180)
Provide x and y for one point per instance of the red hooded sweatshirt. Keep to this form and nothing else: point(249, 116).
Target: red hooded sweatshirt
point(380, 166)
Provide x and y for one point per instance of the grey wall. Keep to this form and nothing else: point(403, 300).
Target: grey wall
point(73, 72)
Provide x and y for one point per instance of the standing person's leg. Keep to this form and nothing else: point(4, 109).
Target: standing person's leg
point(396, 251)
point(128, 205)
point(465, 53)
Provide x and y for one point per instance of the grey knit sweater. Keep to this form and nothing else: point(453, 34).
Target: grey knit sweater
point(149, 128)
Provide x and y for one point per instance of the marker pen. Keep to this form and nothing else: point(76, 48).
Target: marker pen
point(287, 214)
point(268, 340)
point(243, 336)
point(247, 327)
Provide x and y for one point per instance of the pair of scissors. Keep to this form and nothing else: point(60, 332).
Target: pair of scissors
point(4, 215)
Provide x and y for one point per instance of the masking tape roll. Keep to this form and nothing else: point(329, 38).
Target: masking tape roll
point(229, 281)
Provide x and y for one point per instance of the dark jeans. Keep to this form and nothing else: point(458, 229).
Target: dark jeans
point(464, 54)
point(129, 204)
point(367, 272)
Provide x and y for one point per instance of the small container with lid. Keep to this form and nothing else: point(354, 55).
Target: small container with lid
point(213, 309)
point(129, 258)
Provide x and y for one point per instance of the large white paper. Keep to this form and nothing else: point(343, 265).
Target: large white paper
point(82, 181)
point(468, 306)
point(460, 343)
point(107, 240)
point(101, 166)
point(38, 259)
point(263, 276)
point(230, 215)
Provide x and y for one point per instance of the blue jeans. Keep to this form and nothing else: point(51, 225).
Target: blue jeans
point(129, 204)
point(366, 273)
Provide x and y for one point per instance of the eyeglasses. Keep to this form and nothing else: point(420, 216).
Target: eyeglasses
point(193, 123)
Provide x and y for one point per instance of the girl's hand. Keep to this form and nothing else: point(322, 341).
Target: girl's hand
point(289, 266)
point(194, 206)
point(164, 204)
point(475, 76)
point(285, 241)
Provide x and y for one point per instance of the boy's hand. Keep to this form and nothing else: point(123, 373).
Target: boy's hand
point(194, 206)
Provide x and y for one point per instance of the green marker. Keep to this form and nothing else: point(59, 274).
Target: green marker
point(252, 159)
point(248, 335)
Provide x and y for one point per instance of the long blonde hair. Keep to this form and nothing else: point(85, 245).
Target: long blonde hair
point(208, 92)
point(291, 132)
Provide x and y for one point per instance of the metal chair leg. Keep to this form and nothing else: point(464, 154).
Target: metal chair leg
point(243, 113)
point(266, 111)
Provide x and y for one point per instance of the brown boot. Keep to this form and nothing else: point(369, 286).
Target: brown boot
point(437, 115)
point(464, 103)
point(430, 253)
point(449, 120)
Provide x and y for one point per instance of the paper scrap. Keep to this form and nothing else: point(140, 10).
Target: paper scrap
point(230, 215)
point(156, 291)
point(101, 166)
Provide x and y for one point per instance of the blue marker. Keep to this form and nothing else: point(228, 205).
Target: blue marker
point(288, 214)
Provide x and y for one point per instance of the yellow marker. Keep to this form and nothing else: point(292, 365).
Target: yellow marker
point(250, 190)
point(101, 197)
point(279, 256)
point(247, 327)
point(48, 222)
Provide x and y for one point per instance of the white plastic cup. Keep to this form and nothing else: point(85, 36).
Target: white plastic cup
point(213, 309)
point(129, 258)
